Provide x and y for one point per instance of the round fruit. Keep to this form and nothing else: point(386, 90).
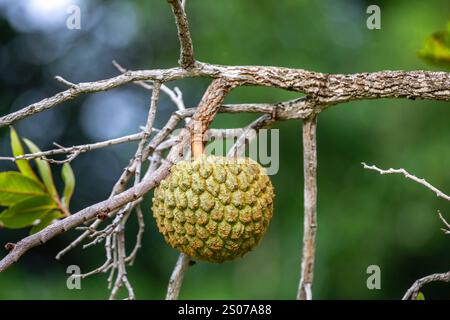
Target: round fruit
point(214, 208)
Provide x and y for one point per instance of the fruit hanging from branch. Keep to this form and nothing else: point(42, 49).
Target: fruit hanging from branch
point(214, 208)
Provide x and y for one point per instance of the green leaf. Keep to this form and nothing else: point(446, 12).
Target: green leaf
point(44, 170)
point(17, 150)
point(15, 187)
point(46, 220)
point(436, 49)
point(69, 183)
point(26, 212)
point(420, 296)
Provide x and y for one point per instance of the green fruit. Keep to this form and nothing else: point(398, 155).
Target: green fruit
point(214, 208)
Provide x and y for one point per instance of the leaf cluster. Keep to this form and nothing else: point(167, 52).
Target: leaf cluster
point(31, 199)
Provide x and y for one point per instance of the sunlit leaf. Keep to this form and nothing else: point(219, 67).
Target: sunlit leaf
point(15, 187)
point(17, 150)
point(44, 169)
point(420, 296)
point(46, 220)
point(69, 183)
point(26, 212)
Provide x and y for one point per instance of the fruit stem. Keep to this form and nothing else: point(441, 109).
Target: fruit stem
point(197, 145)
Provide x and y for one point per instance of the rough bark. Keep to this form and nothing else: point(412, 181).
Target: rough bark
point(324, 89)
point(310, 208)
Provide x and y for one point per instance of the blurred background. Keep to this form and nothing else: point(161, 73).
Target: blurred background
point(364, 218)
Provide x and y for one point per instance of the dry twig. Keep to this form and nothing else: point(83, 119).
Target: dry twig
point(414, 289)
point(412, 292)
point(407, 175)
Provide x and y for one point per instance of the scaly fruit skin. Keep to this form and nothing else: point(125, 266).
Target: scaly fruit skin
point(214, 208)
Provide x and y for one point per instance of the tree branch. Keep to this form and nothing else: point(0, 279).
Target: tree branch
point(248, 134)
point(187, 59)
point(413, 291)
point(310, 208)
point(324, 89)
point(207, 109)
point(76, 150)
point(321, 90)
point(446, 230)
point(82, 216)
point(175, 95)
point(176, 279)
point(216, 93)
point(407, 175)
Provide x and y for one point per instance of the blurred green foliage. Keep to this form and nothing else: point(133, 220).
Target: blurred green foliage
point(363, 218)
point(32, 201)
point(436, 49)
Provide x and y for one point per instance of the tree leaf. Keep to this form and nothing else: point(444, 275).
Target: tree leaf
point(420, 296)
point(44, 170)
point(17, 150)
point(26, 212)
point(46, 220)
point(15, 187)
point(436, 49)
point(69, 183)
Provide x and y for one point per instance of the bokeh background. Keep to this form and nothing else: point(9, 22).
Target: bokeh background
point(364, 218)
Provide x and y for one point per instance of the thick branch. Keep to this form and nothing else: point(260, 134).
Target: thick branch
point(324, 89)
point(206, 111)
point(187, 59)
point(310, 208)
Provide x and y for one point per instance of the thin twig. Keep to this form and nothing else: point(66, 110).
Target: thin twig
point(76, 150)
point(447, 225)
point(413, 291)
point(175, 95)
point(64, 81)
point(402, 171)
point(249, 133)
point(141, 224)
point(176, 279)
